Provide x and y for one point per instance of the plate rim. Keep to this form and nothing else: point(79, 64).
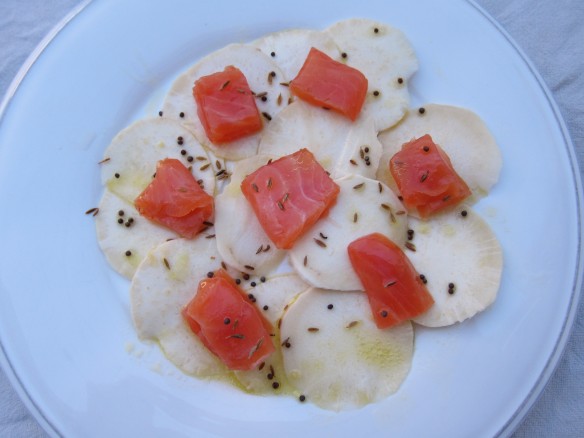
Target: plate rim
point(554, 358)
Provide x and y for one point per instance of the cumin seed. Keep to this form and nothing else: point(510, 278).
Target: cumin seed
point(385, 207)
point(279, 101)
point(92, 211)
point(353, 162)
point(210, 236)
point(267, 248)
point(355, 217)
point(267, 116)
point(201, 158)
point(424, 176)
point(249, 268)
point(323, 236)
point(255, 187)
point(236, 336)
point(204, 167)
point(359, 186)
point(410, 246)
point(280, 205)
point(285, 84)
point(105, 160)
point(319, 242)
point(166, 263)
point(313, 329)
point(380, 187)
point(391, 283)
point(255, 348)
point(260, 249)
point(352, 324)
point(305, 260)
point(226, 83)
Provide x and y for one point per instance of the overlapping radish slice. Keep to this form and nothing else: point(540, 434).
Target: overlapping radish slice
point(363, 206)
point(461, 133)
point(461, 260)
point(272, 297)
point(289, 48)
point(124, 236)
point(241, 240)
point(263, 77)
point(337, 357)
point(332, 138)
point(385, 56)
point(130, 160)
point(163, 284)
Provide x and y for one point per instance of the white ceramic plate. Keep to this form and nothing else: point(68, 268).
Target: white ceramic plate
point(67, 340)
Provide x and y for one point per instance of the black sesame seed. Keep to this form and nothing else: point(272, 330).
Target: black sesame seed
point(426, 148)
point(400, 80)
point(183, 152)
point(264, 98)
point(302, 398)
point(120, 221)
point(344, 55)
point(245, 276)
point(330, 306)
point(376, 30)
point(422, 110)
point(253, 284)
point(263, 279)
point(190, 159)
point(250, 296)
point(265, 307)
point(226, 321)
point(237, 281)
point(287, 345)
point(210, 274)
point(275, 385)
point(463, 213)
point(117, 175)
point(273, 74)
point(121, 213)
point(128, 253)
point(384, 313)
point(160, 113)
point(376, 93)
point(181, 115)
point(270, 376)
point(131, 220)
point(366, 150)
point(273, 54)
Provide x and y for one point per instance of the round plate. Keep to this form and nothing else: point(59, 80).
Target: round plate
point(66, 336)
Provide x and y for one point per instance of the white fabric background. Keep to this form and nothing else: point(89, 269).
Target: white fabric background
point(551, 33)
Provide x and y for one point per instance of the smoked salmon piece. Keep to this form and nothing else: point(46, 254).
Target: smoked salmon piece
point(324, 82)
point(228, 323)
point(395, 290)
point(289, 195)
point(175, 200)
point(425, 177)
point(226, 106)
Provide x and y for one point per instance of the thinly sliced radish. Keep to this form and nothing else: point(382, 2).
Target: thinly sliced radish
point(257, 68)
point(130, 160)
point(338, 358)
point(272, 298)
point(386, 58)
point(332, 138)
point(363, 206)
point(461, 133)
point(461, 259)
point(164, 283)
point(289, 48)
point(241, 240)
point(124, 236)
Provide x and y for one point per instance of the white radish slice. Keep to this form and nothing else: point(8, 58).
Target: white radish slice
point(363, 206)
point(361, 152)
point(290, 48)
point(332, 138)
point(272, 298)
point(131, 158)
point(257, 69)
point(164, 283)
point(461, 133)
point(387, 60)
point(457, 249)
point(241, 240)
point(338, 358)
point(135, 234)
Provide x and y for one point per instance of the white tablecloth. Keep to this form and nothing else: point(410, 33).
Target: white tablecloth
point(551, 32)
